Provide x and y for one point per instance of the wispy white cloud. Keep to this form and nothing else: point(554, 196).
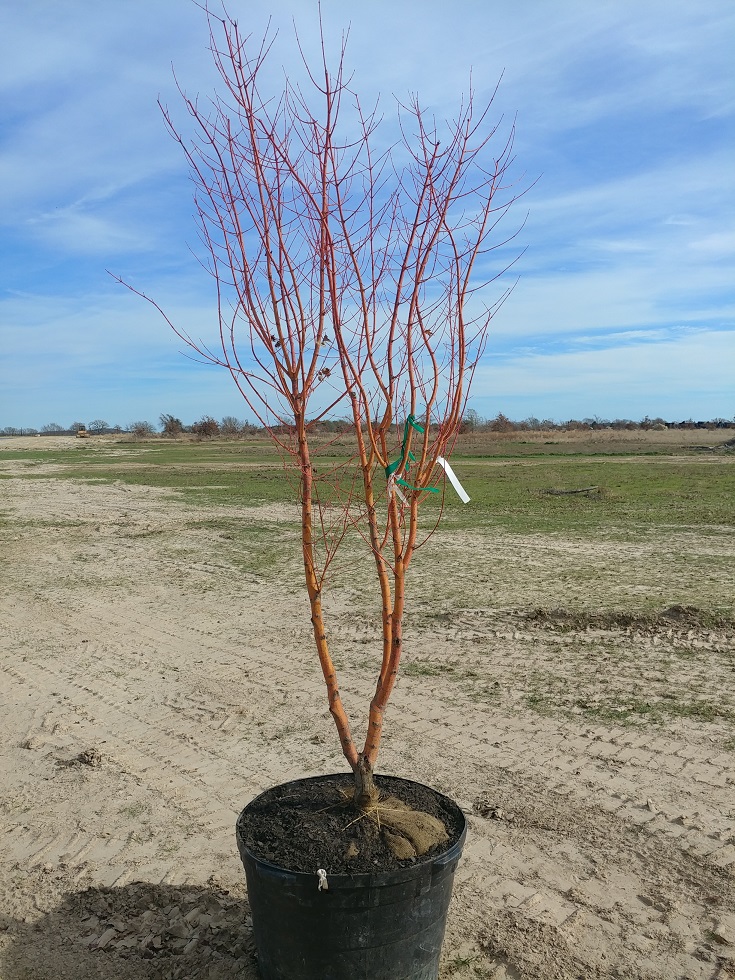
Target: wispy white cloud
point(625, 108)
point(613, 338)
point(689, 375)
point(72, 230)
point(110, 350)
point(673, 193)
point(635, 296)
point(716, 245)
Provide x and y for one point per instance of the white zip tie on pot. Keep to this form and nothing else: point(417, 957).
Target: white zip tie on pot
point(323, 883)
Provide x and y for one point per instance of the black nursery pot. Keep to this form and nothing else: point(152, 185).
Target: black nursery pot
point(386, 925)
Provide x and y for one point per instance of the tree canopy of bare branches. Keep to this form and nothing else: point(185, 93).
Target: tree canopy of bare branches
point(351, 278)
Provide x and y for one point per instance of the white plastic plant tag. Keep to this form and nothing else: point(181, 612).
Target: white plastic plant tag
point(394, 487)
point(323, 883)
point(461, 493)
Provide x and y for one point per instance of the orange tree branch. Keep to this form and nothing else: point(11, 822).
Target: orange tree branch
point(314, 590)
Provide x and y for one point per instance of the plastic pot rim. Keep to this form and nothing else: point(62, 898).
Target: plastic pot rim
point(347, 879)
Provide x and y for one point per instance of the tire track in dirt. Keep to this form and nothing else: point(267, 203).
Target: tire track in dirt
point(199, 779)
point(505, 867)
point(647, 779)
point(518, 744)
point(132, 755)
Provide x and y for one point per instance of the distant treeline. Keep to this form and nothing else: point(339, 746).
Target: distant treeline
point(208, 427)
point(501, 423)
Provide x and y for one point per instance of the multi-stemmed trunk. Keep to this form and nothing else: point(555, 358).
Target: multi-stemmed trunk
point(393, 604)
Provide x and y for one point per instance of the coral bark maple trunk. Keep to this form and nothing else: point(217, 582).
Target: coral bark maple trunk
point(313, 587)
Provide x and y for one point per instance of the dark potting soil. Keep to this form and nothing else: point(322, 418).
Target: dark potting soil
point(308, 824)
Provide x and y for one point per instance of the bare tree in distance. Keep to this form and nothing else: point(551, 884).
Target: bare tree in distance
point(142, 430)
point(349, 280)
point(230, 426)
point(206, 427)
point(171, 426)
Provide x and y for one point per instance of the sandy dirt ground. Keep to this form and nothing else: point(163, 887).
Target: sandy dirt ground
point(157, 673)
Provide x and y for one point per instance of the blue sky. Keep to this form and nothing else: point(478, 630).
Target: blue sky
point(625, 302)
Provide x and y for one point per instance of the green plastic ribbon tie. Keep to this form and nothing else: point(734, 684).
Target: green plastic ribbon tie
point(409, 486)
point(411, 423)
point(390, 470)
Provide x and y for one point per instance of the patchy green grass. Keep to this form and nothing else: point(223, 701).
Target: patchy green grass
point(640, 675)
point(632, 680)
point(636, 494)
point(567, 621)
point(633, 495)
point(626, 710)
point(134, 810)
point(426, 668)
point(652, 504)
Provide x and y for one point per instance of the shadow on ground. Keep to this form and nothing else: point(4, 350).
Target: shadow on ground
point(136, 932)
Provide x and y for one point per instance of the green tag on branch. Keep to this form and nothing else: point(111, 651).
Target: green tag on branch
point(411, 423)
point(409, 486)
point(390, 470)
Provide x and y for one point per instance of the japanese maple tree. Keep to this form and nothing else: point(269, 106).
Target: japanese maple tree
point(349, 276)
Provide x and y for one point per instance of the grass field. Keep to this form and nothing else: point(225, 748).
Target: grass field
point(652, 492)
point(649, 480)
